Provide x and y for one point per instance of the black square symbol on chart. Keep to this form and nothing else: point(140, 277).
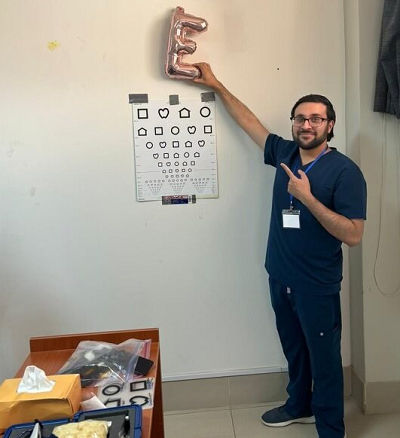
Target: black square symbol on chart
point(175, 144)
point(113, 403)
point(207, 129)
point(142, 113)
point(158, 130)
point(138, 386)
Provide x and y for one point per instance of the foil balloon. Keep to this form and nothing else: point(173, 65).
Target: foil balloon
point(179, 45)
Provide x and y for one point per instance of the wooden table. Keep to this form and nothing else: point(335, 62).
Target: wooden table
point(51, 352)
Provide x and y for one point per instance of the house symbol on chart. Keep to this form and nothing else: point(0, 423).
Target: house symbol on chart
point(142, 132)
point(184, 113)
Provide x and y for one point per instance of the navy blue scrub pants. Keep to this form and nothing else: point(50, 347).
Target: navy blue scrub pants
point(309, 328)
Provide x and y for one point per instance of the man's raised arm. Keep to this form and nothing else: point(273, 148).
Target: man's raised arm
point(239, 112)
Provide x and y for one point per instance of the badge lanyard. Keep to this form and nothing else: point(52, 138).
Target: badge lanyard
point(291, 217)
point(308, 168)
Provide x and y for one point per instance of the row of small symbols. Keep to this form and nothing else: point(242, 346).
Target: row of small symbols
point(175, 144)
point(176, 170)
point(166, 155)
point(177, 176)
point(184, 113)
point(176, 164)
point(175, 130)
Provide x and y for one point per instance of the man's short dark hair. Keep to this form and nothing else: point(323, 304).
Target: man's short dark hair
point(317, 98)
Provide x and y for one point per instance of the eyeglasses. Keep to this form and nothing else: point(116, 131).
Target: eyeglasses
point(313, 121)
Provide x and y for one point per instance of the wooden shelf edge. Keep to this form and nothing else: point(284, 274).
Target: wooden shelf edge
point(71, 341)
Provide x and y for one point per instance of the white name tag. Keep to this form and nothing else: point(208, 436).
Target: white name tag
point(291, 218)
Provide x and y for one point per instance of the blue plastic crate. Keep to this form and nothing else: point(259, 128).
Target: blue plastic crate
point(108, 414)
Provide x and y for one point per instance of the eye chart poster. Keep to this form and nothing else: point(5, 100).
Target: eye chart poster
point(175, 147)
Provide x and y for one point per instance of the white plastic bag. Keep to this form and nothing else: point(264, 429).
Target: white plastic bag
point(97, 362)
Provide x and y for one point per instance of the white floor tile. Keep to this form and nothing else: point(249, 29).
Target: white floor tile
point(370, 426)
point(211, 424)
point(247, 424)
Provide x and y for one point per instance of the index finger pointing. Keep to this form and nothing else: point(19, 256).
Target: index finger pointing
point(288, 171)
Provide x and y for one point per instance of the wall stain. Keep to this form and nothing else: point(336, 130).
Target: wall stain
point(53, 45)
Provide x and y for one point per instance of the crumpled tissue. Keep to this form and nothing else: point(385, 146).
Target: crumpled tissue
point(34, 380)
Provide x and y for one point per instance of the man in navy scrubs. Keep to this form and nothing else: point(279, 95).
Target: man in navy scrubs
point(319, 201)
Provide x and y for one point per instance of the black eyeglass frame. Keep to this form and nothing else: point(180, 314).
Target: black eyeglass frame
point(292, 119)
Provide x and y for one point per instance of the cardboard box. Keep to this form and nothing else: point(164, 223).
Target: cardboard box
point(63, 401)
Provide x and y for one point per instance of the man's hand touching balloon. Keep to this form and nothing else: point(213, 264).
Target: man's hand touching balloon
point(207, 76)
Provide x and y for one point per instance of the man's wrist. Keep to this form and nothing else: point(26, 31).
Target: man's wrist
point(218, 87)
point(309, 201)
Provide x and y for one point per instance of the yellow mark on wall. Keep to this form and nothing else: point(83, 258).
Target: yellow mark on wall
point(53, 45)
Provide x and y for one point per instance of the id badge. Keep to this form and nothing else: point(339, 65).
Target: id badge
point(291, 218)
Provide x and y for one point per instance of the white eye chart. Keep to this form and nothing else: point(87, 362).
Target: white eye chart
point(175, 147)
point(138, 392)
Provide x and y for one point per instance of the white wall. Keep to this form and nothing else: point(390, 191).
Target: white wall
point(375, 139)
point(77, 252)
point(380, 158)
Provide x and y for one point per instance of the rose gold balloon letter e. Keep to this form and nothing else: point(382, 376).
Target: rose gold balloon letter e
point(179, 45)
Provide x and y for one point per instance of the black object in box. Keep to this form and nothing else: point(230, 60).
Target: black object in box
point(115, 415)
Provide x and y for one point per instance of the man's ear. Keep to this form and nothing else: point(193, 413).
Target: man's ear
point(331, 125)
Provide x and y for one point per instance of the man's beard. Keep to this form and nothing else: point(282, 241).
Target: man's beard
point(317, 141)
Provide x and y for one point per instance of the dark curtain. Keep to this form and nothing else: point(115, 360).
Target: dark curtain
point(387, 90)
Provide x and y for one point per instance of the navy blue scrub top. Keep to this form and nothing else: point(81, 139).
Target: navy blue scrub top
point(310, 259)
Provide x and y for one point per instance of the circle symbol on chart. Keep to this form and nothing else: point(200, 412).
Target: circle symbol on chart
point(111, 390)
point(205, 111)
point(149, 145)
point(175, 130)
point(186, 154)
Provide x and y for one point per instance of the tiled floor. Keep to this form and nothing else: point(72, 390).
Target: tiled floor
point(245, 422)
